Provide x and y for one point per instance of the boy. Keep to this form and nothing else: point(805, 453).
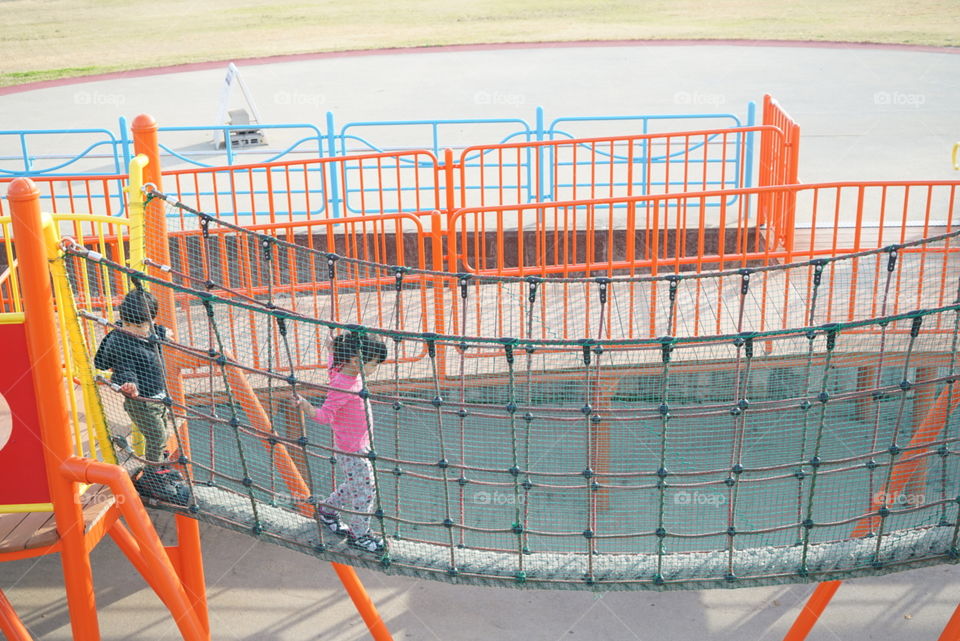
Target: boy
point(133, 354)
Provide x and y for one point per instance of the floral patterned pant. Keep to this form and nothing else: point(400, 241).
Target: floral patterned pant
point(354, 491)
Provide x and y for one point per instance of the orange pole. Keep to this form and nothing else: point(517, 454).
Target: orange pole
point(10, 624)
point(42, 344)
point(952, 631)
point(160, 571)
point(926, 431)
point(363, 603)
point(146, 141)
point(812, 610)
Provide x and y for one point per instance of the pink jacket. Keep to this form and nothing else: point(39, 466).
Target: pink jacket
point(346, 413)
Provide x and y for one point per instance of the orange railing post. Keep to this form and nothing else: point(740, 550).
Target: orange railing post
point(42, 344)
point(146, 142)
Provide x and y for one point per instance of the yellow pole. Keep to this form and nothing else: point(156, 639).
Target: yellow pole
point(135, 207)
point(79, 364)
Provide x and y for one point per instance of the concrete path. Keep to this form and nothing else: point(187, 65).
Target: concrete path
point(865, 113)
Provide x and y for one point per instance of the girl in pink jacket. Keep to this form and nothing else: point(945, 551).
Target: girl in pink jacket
point(351, 420)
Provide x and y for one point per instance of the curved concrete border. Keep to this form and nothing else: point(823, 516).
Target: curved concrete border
point(216, 64)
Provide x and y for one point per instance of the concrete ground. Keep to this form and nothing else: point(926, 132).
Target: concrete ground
point(865, 113)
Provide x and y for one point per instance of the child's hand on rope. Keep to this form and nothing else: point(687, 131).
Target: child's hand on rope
point(304, 405)
point(130, 390)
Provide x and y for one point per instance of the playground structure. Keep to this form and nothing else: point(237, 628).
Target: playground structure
point(572, 332)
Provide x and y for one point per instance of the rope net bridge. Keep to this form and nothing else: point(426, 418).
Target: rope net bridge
point(767, 424)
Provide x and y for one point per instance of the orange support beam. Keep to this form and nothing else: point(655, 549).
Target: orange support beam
point(42, 343)
point(10, 624)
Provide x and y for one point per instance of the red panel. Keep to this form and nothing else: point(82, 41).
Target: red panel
point(23, 478)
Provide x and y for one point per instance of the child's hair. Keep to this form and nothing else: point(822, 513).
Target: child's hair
point(346, 346)
point(139, 306)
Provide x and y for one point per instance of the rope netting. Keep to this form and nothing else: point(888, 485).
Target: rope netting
point(768, 424)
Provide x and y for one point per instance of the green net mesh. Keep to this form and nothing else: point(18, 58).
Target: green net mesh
point(767, 424)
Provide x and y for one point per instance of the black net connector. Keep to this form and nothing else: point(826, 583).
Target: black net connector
point(585, 346)
point(303, 441)
point(247, 481)
point(266, 247)
point(588, 533)
point(527, 484)
point(731, 531)
point(832, 330)
point(729, 481)
point(915, 326)
point(586, 410)
point(463, 280)
point(511, 407)
point(372, 455)
point(364, 393)
point(463, 412)
point(587, 473)
point(205, 225)
point(167, 400)
point(437, 401)
point(892, 258)
point(282, 325)
point(894, 450)
point(602, 285)
point(398, 273)
point(737, 469)
point(514, 471)
point(660, 532)
point(291, 380)
point(663, 472)
point(430, 339)
point(533, 282)
point(666, 348)
point(234, 422)
point(674, 282)
point(818, 266)
point(745, 280)
point(332, 266)
point(508, 344)
point(516, 528)
point(443, 464)
point(448, 523)
point(397, 471)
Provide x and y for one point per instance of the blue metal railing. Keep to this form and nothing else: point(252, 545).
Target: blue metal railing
point(543, 174)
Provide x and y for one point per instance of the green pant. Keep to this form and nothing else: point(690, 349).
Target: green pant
point(151, 419)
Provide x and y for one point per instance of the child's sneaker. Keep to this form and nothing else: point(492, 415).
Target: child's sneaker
point(333, 522)
point(366, 542)
point(162, 484)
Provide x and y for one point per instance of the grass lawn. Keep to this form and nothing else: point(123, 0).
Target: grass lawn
point(43, 39)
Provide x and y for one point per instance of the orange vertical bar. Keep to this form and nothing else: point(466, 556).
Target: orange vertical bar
point(42, 345)
point(145, 141)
